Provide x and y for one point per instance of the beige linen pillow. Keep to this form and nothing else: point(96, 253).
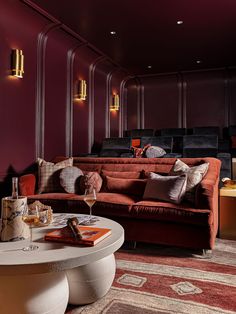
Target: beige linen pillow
point(194, 176)
point(49, 174)
point(165, 188)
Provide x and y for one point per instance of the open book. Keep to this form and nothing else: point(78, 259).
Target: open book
point(90, 235)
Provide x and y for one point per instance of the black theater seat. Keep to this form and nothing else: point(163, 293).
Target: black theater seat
point(116, 147)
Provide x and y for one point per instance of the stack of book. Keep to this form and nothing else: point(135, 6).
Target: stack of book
point(90, 236)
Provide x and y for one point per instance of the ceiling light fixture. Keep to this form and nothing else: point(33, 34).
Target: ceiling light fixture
point(113, 33)
point(180, 22)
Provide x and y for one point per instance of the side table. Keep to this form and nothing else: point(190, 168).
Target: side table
point(227, 213)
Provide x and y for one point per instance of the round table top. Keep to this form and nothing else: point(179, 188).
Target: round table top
point(54, 256)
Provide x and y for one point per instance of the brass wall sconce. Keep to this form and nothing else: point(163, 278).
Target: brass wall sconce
point(17, 63)
point(82, 90)
point(115, 103)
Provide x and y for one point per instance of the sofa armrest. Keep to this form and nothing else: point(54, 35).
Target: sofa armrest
point(27, 184)
point(206, 196)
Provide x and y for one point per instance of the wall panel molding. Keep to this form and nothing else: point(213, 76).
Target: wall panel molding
point(92, 69)
point(123, 106)
point(184, 103)
point(70, 97)
point(40, 89)
point(140, 103)
point(108, 101)
point(227, 86)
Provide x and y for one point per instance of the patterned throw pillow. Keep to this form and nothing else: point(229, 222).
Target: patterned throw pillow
point(92, 180)
point(154, 152)
point(194, 176)
point(49, 175)
point(140, 152)
point(69, 179)
point(165, 188)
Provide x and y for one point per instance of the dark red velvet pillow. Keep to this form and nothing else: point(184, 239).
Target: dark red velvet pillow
point(121, 174)
point(27, 184)
point(136, 142)
point(89, 181)
point(125, 186)
point(140, 152)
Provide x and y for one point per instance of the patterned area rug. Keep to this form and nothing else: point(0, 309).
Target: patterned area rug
point(153, 279)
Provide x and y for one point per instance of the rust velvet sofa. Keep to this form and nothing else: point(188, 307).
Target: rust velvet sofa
point(185, 225)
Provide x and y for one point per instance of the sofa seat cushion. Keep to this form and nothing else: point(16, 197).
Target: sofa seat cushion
point(174, 213)
point(114, 204)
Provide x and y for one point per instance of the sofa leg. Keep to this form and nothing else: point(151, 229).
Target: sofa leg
point(206, 253)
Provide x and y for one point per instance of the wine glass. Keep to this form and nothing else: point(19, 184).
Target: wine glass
point(31, 218)
point(90, 198)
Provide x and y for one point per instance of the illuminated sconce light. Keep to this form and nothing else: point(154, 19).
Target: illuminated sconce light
point(82, 90)
point(115, 103)
point(17, 63)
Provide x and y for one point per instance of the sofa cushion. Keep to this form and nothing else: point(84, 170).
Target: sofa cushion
point(154, 152)
point(69, 179)
point(194, 174)
point(27, 184)
point(135, 142)
point(166, 188)
point(92, 180)
point(125, 186)
point(170, 212)
point(140, 152)
point(114, 204)
point(49, 175)
point(121, 174)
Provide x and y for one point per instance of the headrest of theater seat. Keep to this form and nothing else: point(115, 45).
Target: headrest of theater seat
point(200, 141)
point(200, 145)
point(232, 130)
point(141, 132)
point(173, 132)
point(165, 142)
point(116, 143)
point(206, 130)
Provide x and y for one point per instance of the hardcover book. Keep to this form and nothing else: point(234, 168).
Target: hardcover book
point(90, 235)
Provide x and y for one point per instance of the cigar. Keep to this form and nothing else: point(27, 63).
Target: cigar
point(72, 223)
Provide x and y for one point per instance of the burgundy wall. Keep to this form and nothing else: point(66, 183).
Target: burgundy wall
point(131, 114)
point(40, 116)
point(187, 99)
point(101, 105)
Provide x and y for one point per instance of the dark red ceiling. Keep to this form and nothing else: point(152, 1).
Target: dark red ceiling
point(147, 32)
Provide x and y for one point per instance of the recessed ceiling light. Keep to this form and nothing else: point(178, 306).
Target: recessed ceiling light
point(180, 22)
point(112, 32)
point(198, 61)
point(149, 66)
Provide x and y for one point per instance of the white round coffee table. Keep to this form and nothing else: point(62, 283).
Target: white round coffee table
point(43, 281)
